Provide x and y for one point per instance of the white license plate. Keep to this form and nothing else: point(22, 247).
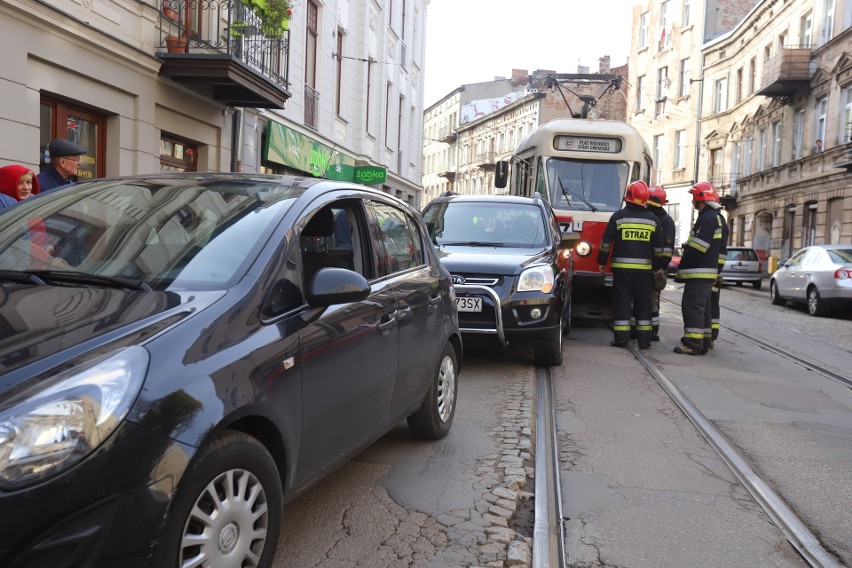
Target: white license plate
point(739, 267)
point(469, 304)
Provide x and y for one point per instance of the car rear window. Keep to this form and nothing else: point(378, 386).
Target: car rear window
point(742, 254)
point(841, 256)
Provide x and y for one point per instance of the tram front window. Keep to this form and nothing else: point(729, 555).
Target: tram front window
point(587, 185)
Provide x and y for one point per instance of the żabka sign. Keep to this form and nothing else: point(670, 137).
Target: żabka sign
point(370, 174)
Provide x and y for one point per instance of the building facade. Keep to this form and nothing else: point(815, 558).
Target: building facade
point(779, 128)
point(475, 126)
point(666, 98)
point(334, 89)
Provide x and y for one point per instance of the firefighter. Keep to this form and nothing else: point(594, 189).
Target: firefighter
point(699, 268)
point(715, 309)
point(636, 245)
point(656, 200)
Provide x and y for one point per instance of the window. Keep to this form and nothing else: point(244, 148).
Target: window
point(834, 222)
point(716, 166)
point(388, 93)
point(684, 21)
point(752, 75)
point(762, 143)
point(739, 86)
point(662, 90)
point(720, 103)
point(402, 248)
point(368, 117)
point(177, 155)
point(680, 149)
point(311, 94)
point(338, 99)
point(776, 144)
point(683, 78)
point(748, 152)
point(640, 88)
point(643, 30)
point(809, 218)
point(59, 119)
point(806, 29)
point(819, 132)
point(798, 134)
point(665, 33)
point(827, 31)
point(845, 130)
point(656, 178)
point(735, 166)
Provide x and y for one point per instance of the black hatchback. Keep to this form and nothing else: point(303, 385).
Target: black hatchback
point(182, 354)
point(504, 256)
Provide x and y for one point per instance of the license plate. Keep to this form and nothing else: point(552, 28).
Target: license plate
point(469, 304)
point(739, 267)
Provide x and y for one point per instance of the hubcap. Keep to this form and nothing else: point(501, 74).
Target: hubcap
point(228, 538)
point(446, 388)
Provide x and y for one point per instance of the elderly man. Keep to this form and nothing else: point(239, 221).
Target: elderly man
point(64, 161)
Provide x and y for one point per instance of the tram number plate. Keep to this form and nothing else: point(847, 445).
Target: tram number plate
point(469, 304)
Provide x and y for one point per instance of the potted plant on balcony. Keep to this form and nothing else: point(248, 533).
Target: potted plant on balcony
point(274, 15)
point(169, 10)
point(176, 44)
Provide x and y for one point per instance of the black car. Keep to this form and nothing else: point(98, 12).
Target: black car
point(180, 355)
point(511, 266)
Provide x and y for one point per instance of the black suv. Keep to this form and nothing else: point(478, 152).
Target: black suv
point(504, 256)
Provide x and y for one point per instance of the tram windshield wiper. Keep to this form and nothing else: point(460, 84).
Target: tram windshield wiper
point(72, 277)
point(567, 190)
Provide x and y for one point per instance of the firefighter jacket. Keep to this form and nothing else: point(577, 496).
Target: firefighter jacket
point(723, 252)
point(667, 225)
point(633, 237)
point(703, 249)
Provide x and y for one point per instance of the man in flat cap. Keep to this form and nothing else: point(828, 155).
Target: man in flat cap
point(64, 161)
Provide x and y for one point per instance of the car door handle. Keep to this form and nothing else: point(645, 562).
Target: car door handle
point(385, 326)
point(403, 314)
point(436, 300)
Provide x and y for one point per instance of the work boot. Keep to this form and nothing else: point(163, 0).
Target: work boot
point(615, 343)
point(644, 346)
point(655, 337)
point(686, 350)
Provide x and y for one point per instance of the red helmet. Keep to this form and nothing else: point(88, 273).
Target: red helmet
point(657, 196)
point(703, 191)
point(637, 193)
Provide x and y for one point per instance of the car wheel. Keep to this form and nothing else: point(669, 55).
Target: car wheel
point(228, 510)
point(773, 294)
point(548, 353)
point(757, 284)
point(435, 416)
point(816, 306)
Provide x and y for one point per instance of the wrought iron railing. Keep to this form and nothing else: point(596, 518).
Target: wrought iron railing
point(725, 184)
point(311, 107)
point(229, 27)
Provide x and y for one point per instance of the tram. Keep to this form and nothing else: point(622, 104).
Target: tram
point(582, 167)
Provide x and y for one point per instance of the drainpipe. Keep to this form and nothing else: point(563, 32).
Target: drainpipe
point(237, 140)
point(697, 134)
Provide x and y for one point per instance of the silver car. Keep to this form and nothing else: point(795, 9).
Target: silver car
point(819, 276)
point(743, 265)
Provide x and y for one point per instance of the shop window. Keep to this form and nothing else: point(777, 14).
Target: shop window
point(59, 119)
point(177, 155)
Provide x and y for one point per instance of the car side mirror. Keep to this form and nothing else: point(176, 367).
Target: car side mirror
point(336, 286)
point(501, 174)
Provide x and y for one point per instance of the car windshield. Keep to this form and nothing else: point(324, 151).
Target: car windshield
point(742, 254)
point(176, 233)
point(587, 185)
point(840, 256)
point(480, 223)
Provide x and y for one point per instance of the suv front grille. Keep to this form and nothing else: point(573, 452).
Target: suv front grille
point(479, 280)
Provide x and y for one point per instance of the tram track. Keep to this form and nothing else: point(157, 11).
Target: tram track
point(793, 528)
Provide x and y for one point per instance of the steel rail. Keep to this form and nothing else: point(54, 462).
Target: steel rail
point(796, 532)
point(548, 535)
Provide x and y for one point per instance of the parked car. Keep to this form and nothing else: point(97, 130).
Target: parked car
point(181, 354)
point(818, 276)
point(502, 252)
point(743, 265)
point(671, 270)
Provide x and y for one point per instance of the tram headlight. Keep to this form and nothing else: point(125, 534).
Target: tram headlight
point(583, 248)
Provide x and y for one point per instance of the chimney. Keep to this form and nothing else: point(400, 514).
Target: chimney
point(519, 76)
point(604, 66)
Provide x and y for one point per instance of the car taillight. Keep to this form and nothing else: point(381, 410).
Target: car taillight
point(843, 273)
point(760, 266)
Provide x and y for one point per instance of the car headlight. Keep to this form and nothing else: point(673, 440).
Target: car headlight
point(537, 278)
point(60, 421)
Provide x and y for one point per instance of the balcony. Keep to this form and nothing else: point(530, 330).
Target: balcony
point(787, 74)
point(447, 135)
point(726, 187)
point(311, 108)
point(217, 49)
point(447, 171)
point(486, 160)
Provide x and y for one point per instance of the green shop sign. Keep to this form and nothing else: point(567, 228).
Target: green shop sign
point(290, 148)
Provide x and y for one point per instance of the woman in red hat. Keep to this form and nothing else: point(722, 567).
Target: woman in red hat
point(18, 182)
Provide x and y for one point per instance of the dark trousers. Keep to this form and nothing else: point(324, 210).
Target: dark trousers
point(715, 310)
point(631, 297)
point(695, 307)
point(655, 311)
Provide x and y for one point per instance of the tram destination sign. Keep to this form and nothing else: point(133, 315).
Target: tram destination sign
point(587, 144)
